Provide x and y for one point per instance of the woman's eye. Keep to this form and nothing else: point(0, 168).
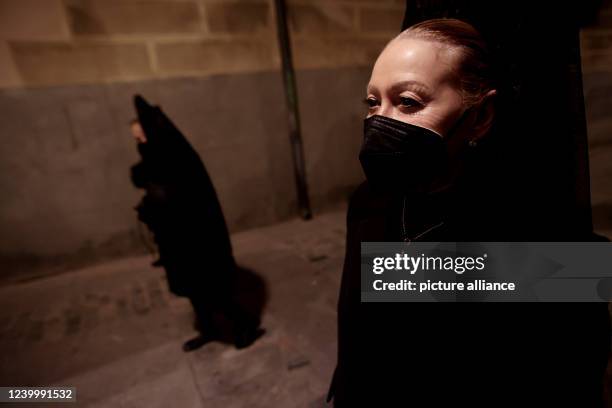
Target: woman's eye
point(409, 102)
point(371, 102)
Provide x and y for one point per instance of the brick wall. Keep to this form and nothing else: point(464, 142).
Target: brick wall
point(55, 42)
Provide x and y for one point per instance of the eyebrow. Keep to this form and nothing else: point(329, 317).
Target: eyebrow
point(417, 85)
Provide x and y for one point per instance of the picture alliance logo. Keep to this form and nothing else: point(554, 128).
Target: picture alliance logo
point(412, 264)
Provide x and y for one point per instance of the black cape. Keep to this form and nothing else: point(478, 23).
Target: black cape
point(181, 208)
point(458, 354)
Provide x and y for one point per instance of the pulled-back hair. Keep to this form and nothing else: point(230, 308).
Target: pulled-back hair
point(475, 72)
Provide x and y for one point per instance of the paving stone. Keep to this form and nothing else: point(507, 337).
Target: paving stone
point(114, 332)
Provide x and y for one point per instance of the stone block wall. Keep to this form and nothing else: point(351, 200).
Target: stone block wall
point(68, 70)
point(55, 42)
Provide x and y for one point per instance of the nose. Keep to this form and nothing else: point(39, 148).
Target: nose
point(386, 109)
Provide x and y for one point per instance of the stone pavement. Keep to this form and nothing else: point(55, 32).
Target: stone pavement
point(115, 333)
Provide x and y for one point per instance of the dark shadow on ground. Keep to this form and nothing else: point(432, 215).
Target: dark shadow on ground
point(251, 291)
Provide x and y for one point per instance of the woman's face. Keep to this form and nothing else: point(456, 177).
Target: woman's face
point(413, 82)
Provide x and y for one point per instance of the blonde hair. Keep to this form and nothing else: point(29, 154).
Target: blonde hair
point(475, 71)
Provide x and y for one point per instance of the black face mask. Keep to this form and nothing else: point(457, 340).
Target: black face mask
point(400, 157)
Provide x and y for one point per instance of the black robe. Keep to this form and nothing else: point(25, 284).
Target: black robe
point(181, 209)
point(458, 354)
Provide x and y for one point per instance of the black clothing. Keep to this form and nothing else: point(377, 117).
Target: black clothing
point(538, 151)
point(534, 188)
point(224, 319)
point(465, 354)
point(181, 208)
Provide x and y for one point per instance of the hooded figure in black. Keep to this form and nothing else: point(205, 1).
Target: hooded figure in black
point(427, 161)
point(182, 211)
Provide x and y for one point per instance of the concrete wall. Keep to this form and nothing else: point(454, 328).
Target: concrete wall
point(68, 70)
point(596, 49)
